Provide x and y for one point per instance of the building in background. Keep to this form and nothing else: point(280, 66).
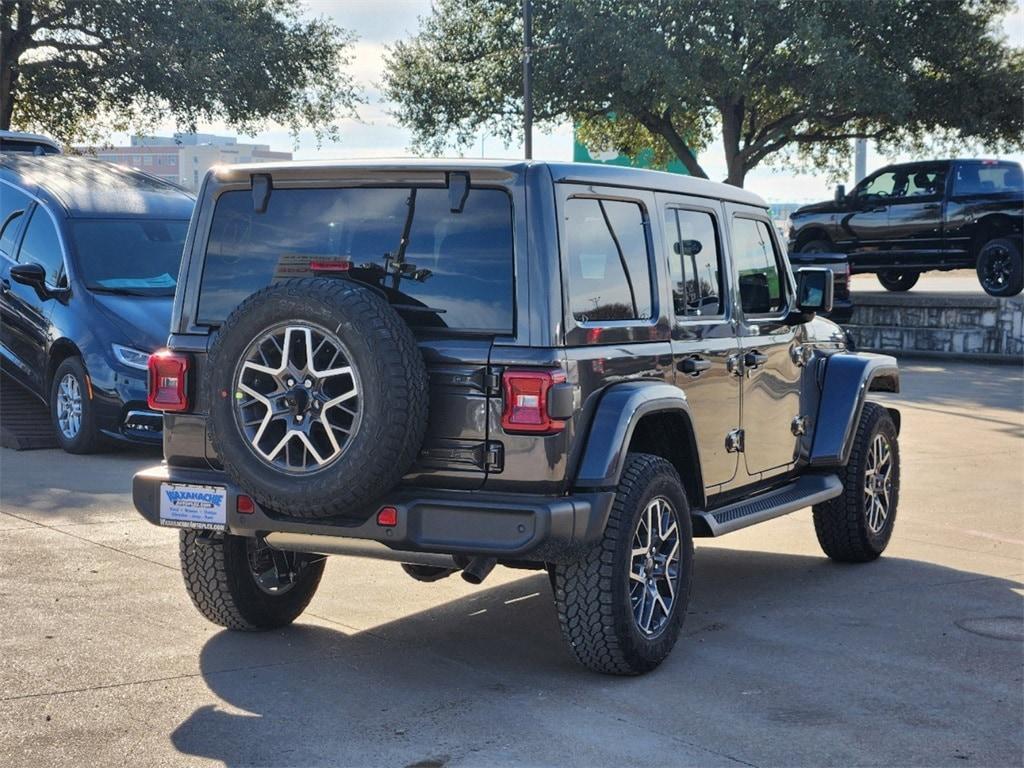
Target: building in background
point(185, 157)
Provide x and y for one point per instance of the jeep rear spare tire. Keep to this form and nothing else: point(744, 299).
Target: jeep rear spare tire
point(318, 397)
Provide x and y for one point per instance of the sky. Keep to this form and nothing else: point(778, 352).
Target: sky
point(378, 23)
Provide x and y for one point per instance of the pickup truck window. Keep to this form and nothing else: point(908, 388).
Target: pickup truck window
point(761, 277)
point(694, 262)
point(608, 260)
point(882, 185)
point(978, 179)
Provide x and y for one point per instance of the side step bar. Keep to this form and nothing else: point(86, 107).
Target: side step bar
point(806, 491)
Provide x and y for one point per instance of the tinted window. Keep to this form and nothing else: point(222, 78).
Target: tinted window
point(42, 246)
point(13, 204)
point(129, 255)
point(460, 264)
point(762, 283)
point(926, 181)
point(987, 179)
point(694, 263)
point(609, 266)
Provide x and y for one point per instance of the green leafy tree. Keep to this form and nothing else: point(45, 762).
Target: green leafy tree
point(75, 68)
point(778, 80)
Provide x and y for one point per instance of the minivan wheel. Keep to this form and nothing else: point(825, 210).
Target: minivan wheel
point(318, 397)
point(897, 279)
point(71, 409)
point(1000, 267)
point(856, 526)
point(621, 606)
point(241, 583)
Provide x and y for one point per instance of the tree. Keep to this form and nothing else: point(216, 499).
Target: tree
point(72, 68)
point(795, 77)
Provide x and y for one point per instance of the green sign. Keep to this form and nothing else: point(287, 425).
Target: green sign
point(582, 154)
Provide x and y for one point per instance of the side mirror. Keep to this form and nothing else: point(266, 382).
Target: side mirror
point(34, 276)
point(814, 289)
point(840, 193)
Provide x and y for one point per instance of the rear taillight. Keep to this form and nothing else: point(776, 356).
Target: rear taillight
point(526, 401)
point(168, 381)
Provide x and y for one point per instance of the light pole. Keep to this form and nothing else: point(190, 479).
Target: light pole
point(527, 85)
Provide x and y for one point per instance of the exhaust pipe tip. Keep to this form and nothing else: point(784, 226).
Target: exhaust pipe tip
point(478, 569)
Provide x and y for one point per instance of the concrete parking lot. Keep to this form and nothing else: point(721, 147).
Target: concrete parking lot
point(787, 659)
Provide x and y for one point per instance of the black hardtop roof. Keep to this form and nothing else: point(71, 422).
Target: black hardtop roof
point(86, 187)
point(582, 173)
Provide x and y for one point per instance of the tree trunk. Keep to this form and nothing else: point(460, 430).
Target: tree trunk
point(8, 85)
point(732, 122)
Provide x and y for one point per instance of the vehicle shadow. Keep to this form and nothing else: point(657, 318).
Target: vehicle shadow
point(467, 676)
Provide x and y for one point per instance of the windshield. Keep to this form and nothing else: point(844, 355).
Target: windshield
point(130, 256)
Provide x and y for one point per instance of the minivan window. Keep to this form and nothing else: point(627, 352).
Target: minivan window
point(608, 260)
point(129, 256)
point(42, 246)
point(455, 270)
point(762, 281)
point(13, 204)
point(694, 263)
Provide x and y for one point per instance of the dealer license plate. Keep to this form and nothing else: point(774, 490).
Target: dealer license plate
point(193, 506)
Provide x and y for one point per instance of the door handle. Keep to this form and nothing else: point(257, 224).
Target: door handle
point(754, 359)
point(693, 366)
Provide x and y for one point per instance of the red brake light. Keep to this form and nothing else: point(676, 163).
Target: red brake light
point(168, 390)
point(244, 504)
point(387, 517)
point(526, 401)
point(330, 265)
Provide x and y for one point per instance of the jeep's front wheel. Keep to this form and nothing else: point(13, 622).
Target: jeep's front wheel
point(241, 583)
point(856, 526)
point(621, 605)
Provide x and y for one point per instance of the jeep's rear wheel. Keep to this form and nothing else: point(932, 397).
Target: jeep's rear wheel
point(318, 397)
point(241, 583)
point(856, 526)
point(621, 606)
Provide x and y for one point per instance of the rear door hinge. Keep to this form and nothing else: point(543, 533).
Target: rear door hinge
point(734, 441)
point(494, 458)
point(492, 381)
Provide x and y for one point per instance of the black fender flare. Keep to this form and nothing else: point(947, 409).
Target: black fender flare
point(620, 409)
point(847, 380)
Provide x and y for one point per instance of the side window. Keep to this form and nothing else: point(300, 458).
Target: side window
point(882, 185)
point(762, 280)
point(13, 205)
point(608, 260)
point(42, 246)
point(926, 181)
point(993, 178)
point(694, 263)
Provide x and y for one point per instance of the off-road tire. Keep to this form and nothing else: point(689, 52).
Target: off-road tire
point(222, 587)
point(591, 594)
point(841, 523)
point(898, 280)
point(88, 438)
point(1004, 247)
point(394, 397)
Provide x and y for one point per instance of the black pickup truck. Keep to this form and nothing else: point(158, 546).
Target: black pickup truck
point(906, 219)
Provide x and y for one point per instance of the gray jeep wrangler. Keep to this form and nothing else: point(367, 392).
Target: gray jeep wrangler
point(453, 365)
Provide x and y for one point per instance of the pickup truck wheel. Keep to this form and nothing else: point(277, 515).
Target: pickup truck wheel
point(318, 397)
point(856, 526)
point(817, 246)
point(898, 280)
point(621, 606)
point(240, 583)
point(1000, 268)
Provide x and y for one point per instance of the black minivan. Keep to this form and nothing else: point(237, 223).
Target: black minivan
point(89, 257)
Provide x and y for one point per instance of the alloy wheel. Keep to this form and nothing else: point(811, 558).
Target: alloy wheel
point(997, 269)
point(878, 475)
point(69, 406)
point(274, 571)
point(297, 398)
point(654, 567)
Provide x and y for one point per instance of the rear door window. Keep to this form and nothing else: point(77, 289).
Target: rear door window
point(440, 269)
point(762, 278)
point(694, 263)
point(608, 260)
point(988, 179)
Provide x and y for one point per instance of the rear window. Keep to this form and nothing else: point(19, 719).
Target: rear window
point(988, 179)
point(455, 270)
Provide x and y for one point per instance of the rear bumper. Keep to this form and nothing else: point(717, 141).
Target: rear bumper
point(505, 526)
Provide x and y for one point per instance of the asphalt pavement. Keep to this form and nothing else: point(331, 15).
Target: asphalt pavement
point(787, 659)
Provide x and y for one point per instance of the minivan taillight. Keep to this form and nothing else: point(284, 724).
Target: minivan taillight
point(526, 401)
point(168, 381)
